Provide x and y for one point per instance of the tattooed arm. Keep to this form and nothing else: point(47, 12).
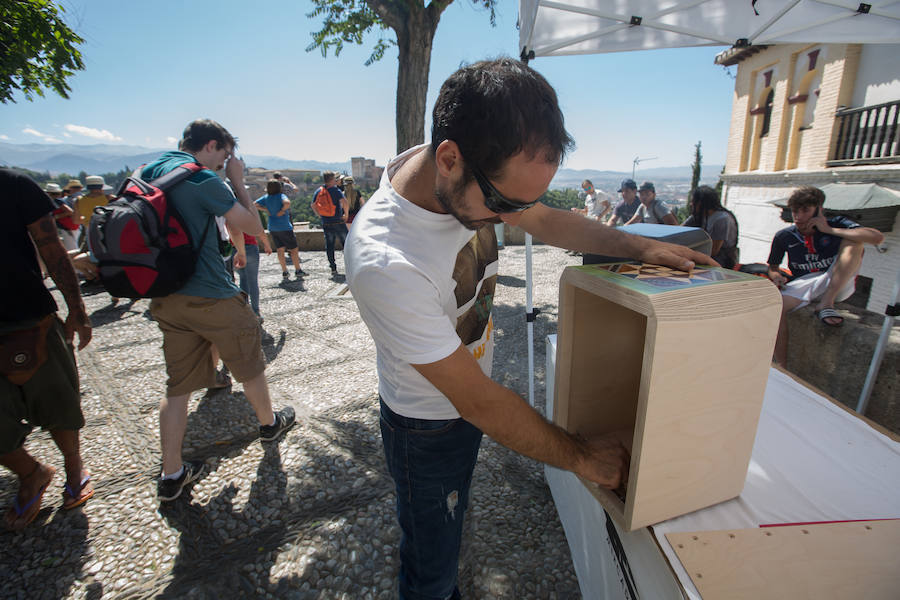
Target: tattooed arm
point(55, 257)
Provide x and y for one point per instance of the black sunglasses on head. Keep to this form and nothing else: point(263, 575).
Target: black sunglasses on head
point(494, 200)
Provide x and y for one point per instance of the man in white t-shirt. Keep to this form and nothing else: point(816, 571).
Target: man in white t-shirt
point(596, 203)
point(422, 267)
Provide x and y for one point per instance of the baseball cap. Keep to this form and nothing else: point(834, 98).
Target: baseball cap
point(647, 185)
point(52, 188)
point(94, 182)
point(627, 183)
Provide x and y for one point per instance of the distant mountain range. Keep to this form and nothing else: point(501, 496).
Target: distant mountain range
point(109, 158)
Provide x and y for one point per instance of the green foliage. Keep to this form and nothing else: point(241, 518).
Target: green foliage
point(681, 213)
point(695, 174)
point(37, 49)
point(566, 199)
point(111, 179)
point(348, 21)
point(301, 209)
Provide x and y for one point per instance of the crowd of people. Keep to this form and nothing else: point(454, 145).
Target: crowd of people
point(422, 265)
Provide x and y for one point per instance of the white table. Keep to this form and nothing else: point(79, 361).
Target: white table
point(812, 461)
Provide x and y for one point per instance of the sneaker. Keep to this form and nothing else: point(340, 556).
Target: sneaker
point(284, 420)
point(299, 273)
point(169, 489)
point(334, 270)
point(284, 275)
point(223, 380)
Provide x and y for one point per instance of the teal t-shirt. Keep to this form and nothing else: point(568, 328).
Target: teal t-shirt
point(198, 199)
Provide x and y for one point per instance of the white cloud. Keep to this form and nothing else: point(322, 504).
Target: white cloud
point(97, 134)
point(44, 136)
point(171, 140)
point(3, 137)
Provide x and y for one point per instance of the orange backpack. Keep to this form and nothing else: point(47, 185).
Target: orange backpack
point(323, 203)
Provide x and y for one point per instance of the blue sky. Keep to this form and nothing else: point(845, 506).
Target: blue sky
point(153, 67)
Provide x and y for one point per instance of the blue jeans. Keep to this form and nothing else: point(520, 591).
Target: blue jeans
point(249, 276)
point(431, 463)
point(332, 231)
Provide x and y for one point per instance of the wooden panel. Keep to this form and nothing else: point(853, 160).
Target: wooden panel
point(706, 381)
point(839, 561)
point(678, 361)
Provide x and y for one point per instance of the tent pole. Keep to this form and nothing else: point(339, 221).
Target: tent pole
point(890, 313)
point(530, 318)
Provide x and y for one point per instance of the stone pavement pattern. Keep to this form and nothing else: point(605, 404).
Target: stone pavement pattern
point(310, 517)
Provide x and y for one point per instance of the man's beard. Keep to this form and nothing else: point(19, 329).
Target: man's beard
point(451, 201)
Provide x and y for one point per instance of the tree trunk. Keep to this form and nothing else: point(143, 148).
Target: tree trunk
point(414, 41)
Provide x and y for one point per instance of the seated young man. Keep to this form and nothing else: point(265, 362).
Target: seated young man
point(824, 256)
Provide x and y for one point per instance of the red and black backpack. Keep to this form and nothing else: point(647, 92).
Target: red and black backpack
point(141, 243)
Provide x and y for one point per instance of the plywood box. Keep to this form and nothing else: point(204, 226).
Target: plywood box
point(678, 363)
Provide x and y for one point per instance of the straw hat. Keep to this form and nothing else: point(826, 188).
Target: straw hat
point(73, 183)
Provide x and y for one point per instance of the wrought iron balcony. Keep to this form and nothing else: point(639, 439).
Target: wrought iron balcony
point(867, 135)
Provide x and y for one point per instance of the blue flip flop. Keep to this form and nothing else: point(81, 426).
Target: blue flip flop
point(80, 497)
point(22, 510)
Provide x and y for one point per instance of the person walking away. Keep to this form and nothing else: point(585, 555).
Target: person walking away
point(39, 381)
point(277, 206)
point(334, 222)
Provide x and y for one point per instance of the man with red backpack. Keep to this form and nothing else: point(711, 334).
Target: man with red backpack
point(331, 205)
point(209, 310)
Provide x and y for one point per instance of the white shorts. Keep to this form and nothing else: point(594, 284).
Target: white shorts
point(813, 285)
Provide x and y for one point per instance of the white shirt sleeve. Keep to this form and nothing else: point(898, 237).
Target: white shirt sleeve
point(403, 311)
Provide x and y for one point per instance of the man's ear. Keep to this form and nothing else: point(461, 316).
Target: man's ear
point(448, 158)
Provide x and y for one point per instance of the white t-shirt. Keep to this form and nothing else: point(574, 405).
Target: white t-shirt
point(594, 203)
point(423, 284)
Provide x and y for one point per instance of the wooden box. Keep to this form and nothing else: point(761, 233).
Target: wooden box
point(678, 364)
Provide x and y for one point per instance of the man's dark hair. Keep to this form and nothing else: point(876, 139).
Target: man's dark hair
point(202, 131)
point(704, 199)
point(273, 186)
point(806, 196)
point(328, 176)
point(276, 175)
point(496, 109)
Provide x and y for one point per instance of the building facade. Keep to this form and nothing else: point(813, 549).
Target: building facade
point(811, 115)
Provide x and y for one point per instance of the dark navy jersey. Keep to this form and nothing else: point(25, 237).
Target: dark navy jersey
point(808, 253)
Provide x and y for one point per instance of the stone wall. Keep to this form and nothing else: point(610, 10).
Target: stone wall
point(836, 360)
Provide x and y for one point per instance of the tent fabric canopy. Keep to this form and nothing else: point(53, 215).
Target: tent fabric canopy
point(565, 27)
point(853, 196)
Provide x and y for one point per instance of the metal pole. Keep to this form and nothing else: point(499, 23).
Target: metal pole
point(890, 313)
point(530, 318)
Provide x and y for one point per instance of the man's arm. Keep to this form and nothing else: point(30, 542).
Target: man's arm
point(861, 235)
point(507, 418)
point(237, 240)
point(241, 219)
point(568, 230)
point(285, 206)
point(55, 257)
point(612, 219)
point(635, 218)
point(670, 219)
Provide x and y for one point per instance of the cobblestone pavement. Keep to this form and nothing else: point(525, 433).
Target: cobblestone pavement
point(310, 517)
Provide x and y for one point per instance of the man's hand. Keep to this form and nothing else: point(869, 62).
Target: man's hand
point(605, 461)
point(240, 260)
point(267, 246)
point(821, 223)
point(675, 256)
point(777, 278)
point(280, 213)
point(234, 170)
point(78, 322)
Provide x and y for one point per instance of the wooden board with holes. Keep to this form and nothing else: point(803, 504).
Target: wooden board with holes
point(680, 361)
point(857, 560)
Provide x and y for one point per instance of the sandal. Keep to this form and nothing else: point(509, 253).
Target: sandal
point(32, 507)
point(73, 499)
point(830, 313)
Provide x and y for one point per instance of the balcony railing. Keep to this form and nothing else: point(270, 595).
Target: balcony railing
point(868, 135)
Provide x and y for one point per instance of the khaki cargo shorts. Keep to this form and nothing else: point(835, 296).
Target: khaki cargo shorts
point(192, 324)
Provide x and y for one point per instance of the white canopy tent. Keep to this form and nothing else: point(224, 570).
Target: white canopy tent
point(557, 28)
point(568, 27)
